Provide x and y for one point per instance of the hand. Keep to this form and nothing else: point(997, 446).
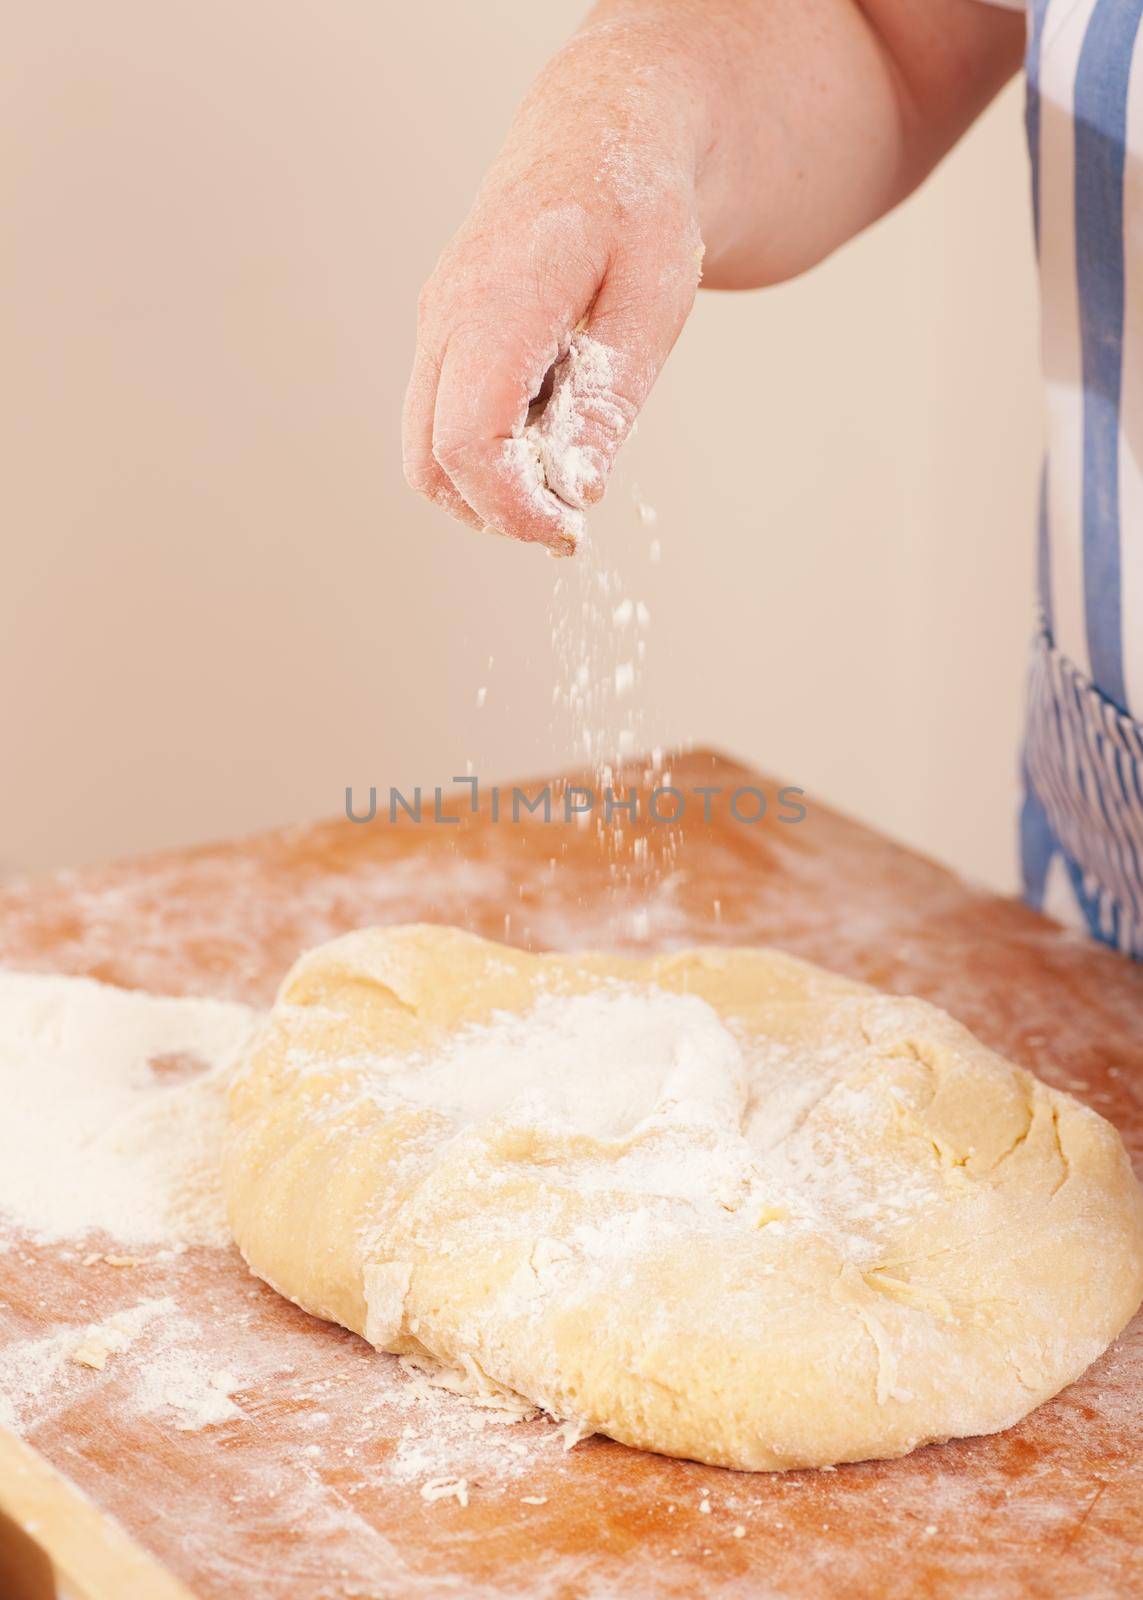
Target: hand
point(562, 294)
point(785, 126)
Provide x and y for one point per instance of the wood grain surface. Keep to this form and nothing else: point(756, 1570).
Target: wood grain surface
point(316, 1490)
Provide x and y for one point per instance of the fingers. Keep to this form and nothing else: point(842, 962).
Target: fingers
point(493, 319)
point(585, 420)
point(611, 364)
point(422, 471)
point(481, 439)
point(588, 320)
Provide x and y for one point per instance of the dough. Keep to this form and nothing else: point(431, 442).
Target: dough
point(719, 1204)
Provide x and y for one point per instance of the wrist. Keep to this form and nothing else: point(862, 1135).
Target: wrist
point(674, 70)
point(632, 81)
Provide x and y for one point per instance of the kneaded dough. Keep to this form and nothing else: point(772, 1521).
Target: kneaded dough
point(719, 1204)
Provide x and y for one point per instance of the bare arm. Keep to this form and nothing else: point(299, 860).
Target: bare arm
point(750, 137)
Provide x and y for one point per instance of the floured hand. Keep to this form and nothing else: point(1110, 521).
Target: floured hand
point(783, 128)
point(561, 295)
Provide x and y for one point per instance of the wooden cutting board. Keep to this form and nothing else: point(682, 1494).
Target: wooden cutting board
point(317, 1489)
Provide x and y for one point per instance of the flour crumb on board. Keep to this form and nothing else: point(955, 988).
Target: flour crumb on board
point(469, 1383)
point(573, 1432)
point(99, 1342)
point(175, 1381)
point(156, 1355)
point(461, 1428)
point(446, 1489)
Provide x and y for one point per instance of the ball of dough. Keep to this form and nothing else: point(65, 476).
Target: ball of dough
point(719, 1204)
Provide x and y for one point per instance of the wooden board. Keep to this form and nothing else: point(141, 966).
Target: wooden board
point(315, 1490)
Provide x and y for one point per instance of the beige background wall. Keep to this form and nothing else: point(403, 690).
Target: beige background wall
point(220, 604)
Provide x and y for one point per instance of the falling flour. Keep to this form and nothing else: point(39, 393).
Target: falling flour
point(599, 628)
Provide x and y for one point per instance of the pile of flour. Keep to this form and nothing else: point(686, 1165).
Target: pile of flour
point(113, 1110)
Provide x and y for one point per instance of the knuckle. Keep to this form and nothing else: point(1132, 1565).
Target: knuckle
point(450, 455)
point(420, 474)
point(427, 302)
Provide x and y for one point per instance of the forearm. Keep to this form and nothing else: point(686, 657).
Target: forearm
point(805, 120)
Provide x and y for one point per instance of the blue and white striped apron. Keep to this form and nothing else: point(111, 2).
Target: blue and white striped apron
point(1082, 816)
